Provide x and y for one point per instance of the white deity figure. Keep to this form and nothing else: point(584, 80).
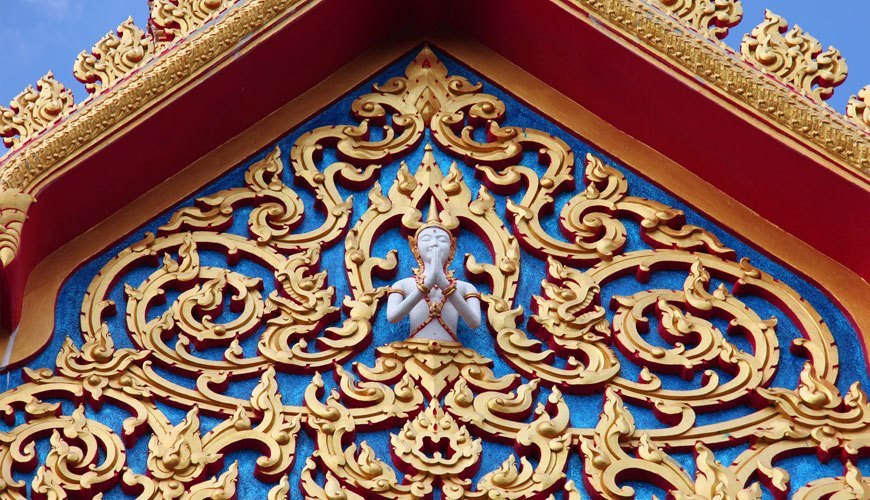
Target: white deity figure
point(432, 298)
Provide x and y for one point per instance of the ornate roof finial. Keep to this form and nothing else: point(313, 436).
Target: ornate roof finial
point(34, 110)
point(858, 109)
point(795, 57)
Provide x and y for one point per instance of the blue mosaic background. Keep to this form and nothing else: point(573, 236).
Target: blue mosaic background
point(584, 409)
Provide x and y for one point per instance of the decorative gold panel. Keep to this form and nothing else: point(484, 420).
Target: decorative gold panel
point(441, 403)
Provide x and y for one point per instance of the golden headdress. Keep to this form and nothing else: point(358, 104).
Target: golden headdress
point(433, 219)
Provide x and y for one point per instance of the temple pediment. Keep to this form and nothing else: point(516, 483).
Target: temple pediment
point(336, 249)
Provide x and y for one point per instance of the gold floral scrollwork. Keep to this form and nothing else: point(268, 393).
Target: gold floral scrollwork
point(858, 108)
point(175, 19)
point(13, 213)
point(34, 110)
point(85, 457)
point(570, 316)
point(232, 289)
point(545, 437)
point(795, 57)
point(607, 464)
point(180, 458)
point(698, 345)
point(113, 57)
point(277, 211)
point(434, 443)
point(426, 86)
point(434, 367)
point(851, 485)
point(712, 18)
point(816, 411)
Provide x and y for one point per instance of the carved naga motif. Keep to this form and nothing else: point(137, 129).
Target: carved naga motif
point(13, 213)
point(241, 286)
point(794, 57)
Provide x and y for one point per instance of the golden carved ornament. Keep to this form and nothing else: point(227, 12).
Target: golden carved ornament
point(607, 463)
point(427, 86)
point(851, 485)
point(452, 451)
point(434, 367)
point(711, 18)
point(820, 126)
point(13, 213)
point(432, 448)
point(858, 108)
point(795, 57)
point(439, 399)
point(402, 205)
point(34, 110)
point(113, 57)
point(26, 169)
point(172, 20)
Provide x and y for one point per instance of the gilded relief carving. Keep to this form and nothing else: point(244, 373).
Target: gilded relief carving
point(795, 57)
point(710, 17)
point(113, 57)
point(439, 400)
point(34, 109)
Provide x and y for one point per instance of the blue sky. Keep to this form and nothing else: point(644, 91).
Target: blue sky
point(39, 35)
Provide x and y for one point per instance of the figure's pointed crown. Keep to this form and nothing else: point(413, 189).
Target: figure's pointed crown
point(433, 218)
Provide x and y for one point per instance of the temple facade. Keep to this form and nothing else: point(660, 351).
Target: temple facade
point(328, 249)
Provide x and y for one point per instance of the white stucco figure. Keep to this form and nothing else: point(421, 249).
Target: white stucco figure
point(433, 299)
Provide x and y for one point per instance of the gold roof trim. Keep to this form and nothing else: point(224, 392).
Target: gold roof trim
point(131, 69)
point(793, 57)
point(675, 35)
point(125, 72)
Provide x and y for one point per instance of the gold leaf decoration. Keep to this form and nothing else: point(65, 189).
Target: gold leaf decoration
point(34, 110)
point(858, 108)
point(795, 57)
point(13, 214)
point(852, 485)
point(175, 19)
point(196, 321)
point(113, 57)
point(712, 18)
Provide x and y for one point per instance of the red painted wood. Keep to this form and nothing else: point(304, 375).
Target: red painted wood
point(651, 104)
point(638, 97)
point(212, 111)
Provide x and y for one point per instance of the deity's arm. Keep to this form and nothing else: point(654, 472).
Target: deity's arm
point(467, 304)
point(401, 300)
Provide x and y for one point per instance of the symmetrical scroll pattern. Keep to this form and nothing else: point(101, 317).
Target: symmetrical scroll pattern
point(241, 289)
